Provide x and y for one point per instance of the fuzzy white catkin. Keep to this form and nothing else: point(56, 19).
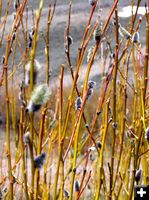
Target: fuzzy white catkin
point(147, 134)
point(39, 160)
point(30, 106)
point(97, 34)
point(91, 2)
point(37, 67)
point(89, 93)
point(123, 32)
point(89, 53)
point(77, 186)
point(26, 138)
point(40, 96)
point(91, 85)
point(78, 103)
point(138, 175)
point(136, 37)
point(16, 4)
point(70, 40)
point(66, 194)
point(92, 148)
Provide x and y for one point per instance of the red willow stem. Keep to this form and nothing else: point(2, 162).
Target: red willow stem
point(88, 24)
point(84, 173)
point(5, 74)
point(109, 16)
point(91, 60)
point(74, 130)
point(107, 80)
point(114, 104)
point(15, 27)
point(89, 176)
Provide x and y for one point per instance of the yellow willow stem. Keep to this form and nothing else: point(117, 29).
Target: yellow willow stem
point(8, 136)
point(62, 180)
point(32, 57)
point(145, 91)
point(48, 46)
point(14, 103)
point(122, 120)
point(60, 131)
point(136, 88)
point(76, 195)
point(114, 105)
point(32, 153)
point(144, 160)
point(61, 139)
point(41, 133)
point(146, 61)
point(5, 69)
point(140, 135)
point(47, 185)
point(125, 173)
point(7, 117)
point(6, 16)
point(1, 5)
point(76, 135)
point(22, 152)
point(74, 160)
point(90, 65)
point(81, 56)
point(100, 163)
point(33, 51)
